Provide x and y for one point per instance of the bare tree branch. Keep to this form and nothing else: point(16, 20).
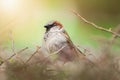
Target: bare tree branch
point(94, 25)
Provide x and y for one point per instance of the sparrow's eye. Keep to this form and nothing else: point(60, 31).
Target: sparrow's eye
point(54, 24)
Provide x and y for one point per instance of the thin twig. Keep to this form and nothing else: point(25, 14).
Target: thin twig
point(12, 42)
point(114, 37)
point(86, 55)
point(18, 53)
point(56, 52)
point(14, 55)
point(37, 50)
point(94, 25)
point(13, 47)
point(22, 50)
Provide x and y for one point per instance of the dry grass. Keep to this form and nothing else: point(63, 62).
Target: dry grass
point(106, 68)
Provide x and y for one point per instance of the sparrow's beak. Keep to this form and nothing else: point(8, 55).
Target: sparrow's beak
point(46, 26)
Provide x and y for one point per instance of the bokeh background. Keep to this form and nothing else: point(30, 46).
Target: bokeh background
point(26, 18)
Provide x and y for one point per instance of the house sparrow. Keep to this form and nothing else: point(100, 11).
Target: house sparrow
point(57, 40)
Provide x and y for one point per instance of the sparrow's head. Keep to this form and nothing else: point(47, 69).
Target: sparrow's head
point(53, 24)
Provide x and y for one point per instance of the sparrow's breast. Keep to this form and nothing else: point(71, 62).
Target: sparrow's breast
point(55, 41)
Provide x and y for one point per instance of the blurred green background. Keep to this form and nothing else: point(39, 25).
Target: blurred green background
point(26, 18)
